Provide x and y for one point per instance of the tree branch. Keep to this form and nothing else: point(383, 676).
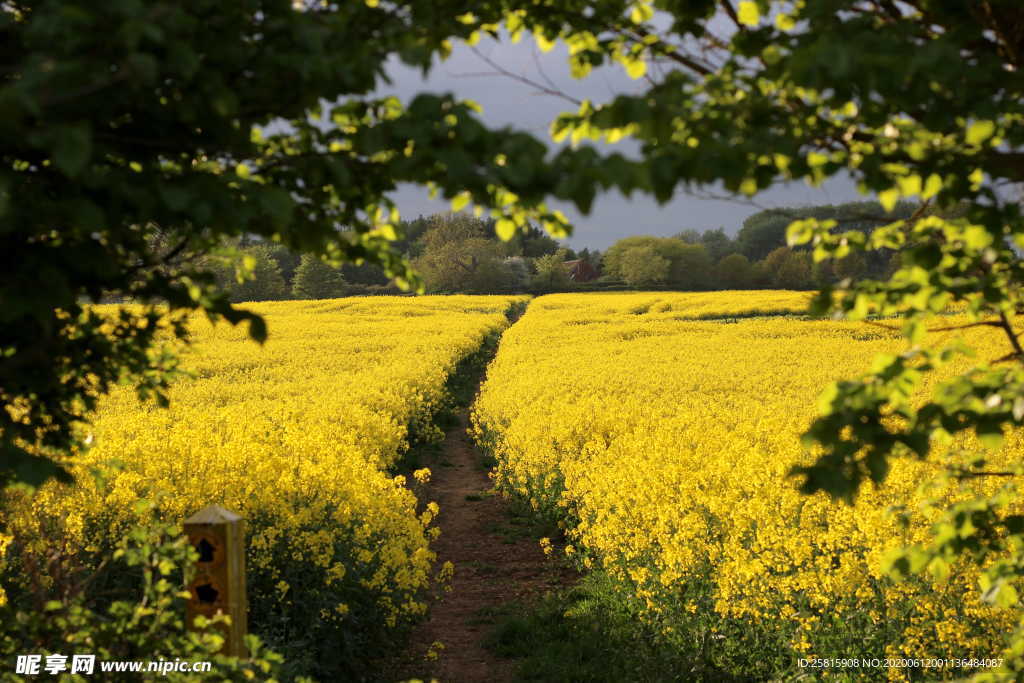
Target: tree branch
point(502, 71)
point(1004, 322)
point(952, 328)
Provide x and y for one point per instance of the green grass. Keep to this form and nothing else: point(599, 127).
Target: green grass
point(587, 633)
point(521, 524)
point(416, 456)
point(483, 568)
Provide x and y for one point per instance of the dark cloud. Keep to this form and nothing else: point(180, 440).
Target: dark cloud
point(508, 101)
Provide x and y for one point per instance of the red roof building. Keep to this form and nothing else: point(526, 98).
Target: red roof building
point(580, 270)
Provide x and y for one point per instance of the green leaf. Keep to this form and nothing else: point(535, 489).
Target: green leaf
point(258, 329)
point(635, 67)
point(914, 330)
point(976, 177)
point(827, 399)
point(815, 159)
point(176, 198)
point(1018, 408)
point(932, 186)
point(749, 14)
point(72, 149)
point(1000, 593)
point(278, 204)
point(505, 228)
point(543, 43)
point(888, 198)
point(800, 232)
point(784, 22)
point(990, 433)
point(641, 13)
point(939, 568)
point(30, 470)
point(896, 564)
point(979, 131)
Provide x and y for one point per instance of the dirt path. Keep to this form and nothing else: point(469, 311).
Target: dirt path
point(497, 560)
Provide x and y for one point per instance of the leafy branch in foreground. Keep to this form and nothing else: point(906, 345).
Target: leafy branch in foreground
point(54, 615)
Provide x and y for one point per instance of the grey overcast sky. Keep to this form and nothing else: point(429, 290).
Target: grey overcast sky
point(508, 102)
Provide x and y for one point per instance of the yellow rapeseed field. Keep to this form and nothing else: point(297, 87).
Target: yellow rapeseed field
point(297, 437)
point(659, 428)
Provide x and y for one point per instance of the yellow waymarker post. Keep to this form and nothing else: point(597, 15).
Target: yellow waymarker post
point(218, 587)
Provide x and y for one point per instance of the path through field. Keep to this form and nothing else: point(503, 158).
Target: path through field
point(497, 561)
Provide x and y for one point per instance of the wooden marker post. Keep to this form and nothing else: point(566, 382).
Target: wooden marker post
point(218, 587)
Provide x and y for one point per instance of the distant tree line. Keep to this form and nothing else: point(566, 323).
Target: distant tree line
point(756, 258)
point(459, 253)
point(455, 253)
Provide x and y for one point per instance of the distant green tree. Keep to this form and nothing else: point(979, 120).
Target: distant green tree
point(718, 244)
point(364, 274)
point(410, 234)
point(824, 274)
point(774, 259)
point(247, 273)
point(852, 266)
point(531, 243)
point(786, 268)
point(468, 265)
point(315, 279)
point(267, 282)
point(458, 252)
point(690, 236)
point(671, 249)
point(689, 265)
point(761, 276)
point(766, 230)
point(551, 274)
point(763, 232)
point(521, 269)
point(443, 228)
point(643, 266)
point(734, 272)
point(287, 261)
point(691, 268)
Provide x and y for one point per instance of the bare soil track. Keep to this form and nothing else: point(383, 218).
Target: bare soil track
point(496, 561)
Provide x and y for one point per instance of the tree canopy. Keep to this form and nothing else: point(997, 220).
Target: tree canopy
point(315, 279)
point(195, 122)
point(678, 264)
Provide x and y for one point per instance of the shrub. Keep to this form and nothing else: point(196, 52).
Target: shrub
point(52, 611)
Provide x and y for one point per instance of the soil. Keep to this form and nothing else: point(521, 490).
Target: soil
point(497, 561)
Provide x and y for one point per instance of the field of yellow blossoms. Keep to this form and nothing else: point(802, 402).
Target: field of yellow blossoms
point(659, 428)
point(656, 428)
point(298, 437)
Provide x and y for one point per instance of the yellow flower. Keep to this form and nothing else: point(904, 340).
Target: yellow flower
point(296, 436)
point(664, 425)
